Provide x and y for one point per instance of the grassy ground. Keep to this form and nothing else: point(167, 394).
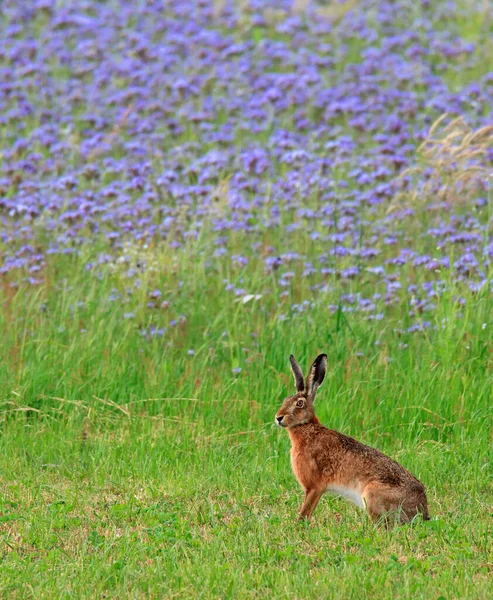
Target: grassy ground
point(129, 471)
point(136, 465)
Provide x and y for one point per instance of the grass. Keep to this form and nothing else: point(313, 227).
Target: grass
point(135, 510)
point(131, 469)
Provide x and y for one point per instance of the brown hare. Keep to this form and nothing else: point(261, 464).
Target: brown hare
point(324, 460)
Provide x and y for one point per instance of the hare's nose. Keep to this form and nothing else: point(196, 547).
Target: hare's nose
point(279, 419)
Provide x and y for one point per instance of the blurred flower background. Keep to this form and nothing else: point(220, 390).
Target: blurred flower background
point(303, 153)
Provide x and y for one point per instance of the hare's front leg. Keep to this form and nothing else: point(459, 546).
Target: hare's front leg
point(312, 496)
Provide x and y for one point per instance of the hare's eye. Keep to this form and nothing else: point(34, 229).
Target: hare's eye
point(300, 403)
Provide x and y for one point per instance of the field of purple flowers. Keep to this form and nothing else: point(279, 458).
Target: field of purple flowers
point(191, 190)
point(290, 144)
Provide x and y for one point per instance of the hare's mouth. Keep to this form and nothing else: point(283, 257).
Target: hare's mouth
point(281, 421)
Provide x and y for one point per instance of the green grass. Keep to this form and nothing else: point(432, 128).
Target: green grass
point(132, 469)
point(148, 508)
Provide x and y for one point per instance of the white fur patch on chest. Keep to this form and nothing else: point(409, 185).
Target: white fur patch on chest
point(348, 493)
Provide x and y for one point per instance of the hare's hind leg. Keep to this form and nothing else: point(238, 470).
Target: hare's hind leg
point(385, 504)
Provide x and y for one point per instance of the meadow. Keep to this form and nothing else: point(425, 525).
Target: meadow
point(189, 192)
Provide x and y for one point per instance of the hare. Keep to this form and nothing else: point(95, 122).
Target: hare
point(324, 460)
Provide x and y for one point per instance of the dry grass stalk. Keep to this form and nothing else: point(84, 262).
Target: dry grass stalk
point(333, 12)
point(218, 8)
point(299, 6)
point(451, 165)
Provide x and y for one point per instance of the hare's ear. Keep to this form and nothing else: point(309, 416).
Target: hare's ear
point(298, 374)
point(316, 376)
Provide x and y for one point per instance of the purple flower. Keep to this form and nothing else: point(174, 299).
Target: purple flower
point(175, 135)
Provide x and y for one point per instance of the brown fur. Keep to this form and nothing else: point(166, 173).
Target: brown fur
point(322, 459)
